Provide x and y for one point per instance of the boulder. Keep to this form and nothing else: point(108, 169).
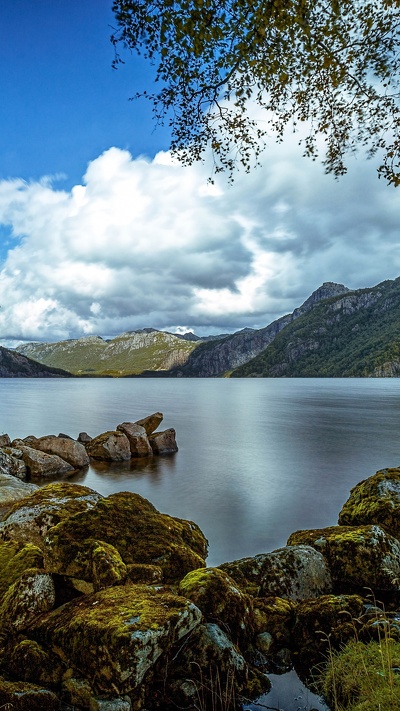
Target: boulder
point(29, 661)
point(133, 526)
point(109, 447)
point(5, 440)
point(30, 596)
point(114, 636)
point(274, 616)
point(19, 467)
point(375, 501)
point(65, 447)
point(293, 572)
point(323, 625)
point(221, 602)
point(20, 696)
point(151, 422)
point(40, 465)
point(30, 519)
point(8, 463)
point(138, 441)
point(15, 559)
point(163, 442)
point(358, 557)
point(84, 438)
point(13, 490)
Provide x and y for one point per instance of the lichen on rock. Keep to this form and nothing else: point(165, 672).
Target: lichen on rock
point(375, 500)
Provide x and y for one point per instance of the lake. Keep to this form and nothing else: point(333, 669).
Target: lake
point(258, 458)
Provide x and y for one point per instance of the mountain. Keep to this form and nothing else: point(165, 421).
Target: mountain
point(15, 365)
point(212, 359)
point(128, 354)
point(355, 334)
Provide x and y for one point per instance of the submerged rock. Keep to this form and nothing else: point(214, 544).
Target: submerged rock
point(164, 442)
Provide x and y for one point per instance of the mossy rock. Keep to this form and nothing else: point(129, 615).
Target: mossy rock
point(375, 501)
point(108, 568)
point(30, 519)
point(29, 661)
point(140, 573)
point(139, 533)
point(113, 637)
point(364, 677)
point(207, 671)
point(221, 602)
point(15, 558)
point(358, 556)
point(31, 595)
point(276, 616)
point(324, 623)
point(21, 696)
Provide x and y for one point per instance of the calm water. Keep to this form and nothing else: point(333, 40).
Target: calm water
point(258, 459)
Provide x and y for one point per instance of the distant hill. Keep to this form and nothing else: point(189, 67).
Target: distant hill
point(128, 354)
point(15, 365)
point(356, 334)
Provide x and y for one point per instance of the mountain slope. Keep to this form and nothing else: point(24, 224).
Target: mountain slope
point(128, 354)
point(15, 365)
point(353, 335)
point(215, 358)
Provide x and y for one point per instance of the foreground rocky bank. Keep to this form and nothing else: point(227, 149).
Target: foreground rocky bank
point(107, 604)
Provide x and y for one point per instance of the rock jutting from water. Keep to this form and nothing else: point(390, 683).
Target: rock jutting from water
point(106, 603)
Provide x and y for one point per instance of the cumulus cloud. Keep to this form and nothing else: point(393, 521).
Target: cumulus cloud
point(149, 243)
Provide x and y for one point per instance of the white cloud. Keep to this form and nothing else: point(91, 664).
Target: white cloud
point(149, 243)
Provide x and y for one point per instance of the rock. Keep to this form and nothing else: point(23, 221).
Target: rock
point(29, 597)
point(221, 602)
point(19, 467)
point(20, 696)
point(28, 661)
point(275, 616)
point(358, 557)
point(115, 636)
point(323, 624)
point(151, 422)
point(116, 704)
point(65, 447)
point(109, 447)
point(137, 436)
point(30, 519)
point(375, 501)
point(84, 438)
point(133, 526)
point(292, 572)
point(8, 464)
point(144, 574)
point(108, 568)
point(40, 465)
point(13, 490)
point(163, 442)
point(5, 440)
point(15, 559)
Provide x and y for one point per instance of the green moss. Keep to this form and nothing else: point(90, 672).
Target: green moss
point(22, 696)
point(361, 677)
point(144, 574)
point(220, 600)
point(137, 531)
point(28, 661)
point(375, 501)
point(15, 558)
point(276, 616)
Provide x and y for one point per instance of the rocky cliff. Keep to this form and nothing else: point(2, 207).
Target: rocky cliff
point(15, 365)
point(355, 334)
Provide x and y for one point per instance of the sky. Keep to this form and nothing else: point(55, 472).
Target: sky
point(101, 232)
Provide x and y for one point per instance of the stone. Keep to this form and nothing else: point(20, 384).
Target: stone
point(116, 704)
point(275, 616)
point(115, 636)
point(30, 519)
point(15, 559)
point(30, 596)
point(84, 438)
point(134, 527)
point(65, 447)
point(138, 441)
point(163, 442)
point(375, 500)
point(8, 463)
point(21, 696)
point(358, 556)
point(144, 574)
point(293, 572)
point(108, 568)
point(40, 465)
point(29, 661)
point(5, 440)
point(221, 602)
point(13, 490)
point(151, 422)
point(109, 447)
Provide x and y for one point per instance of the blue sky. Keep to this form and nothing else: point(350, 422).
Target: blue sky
point(101, 232)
